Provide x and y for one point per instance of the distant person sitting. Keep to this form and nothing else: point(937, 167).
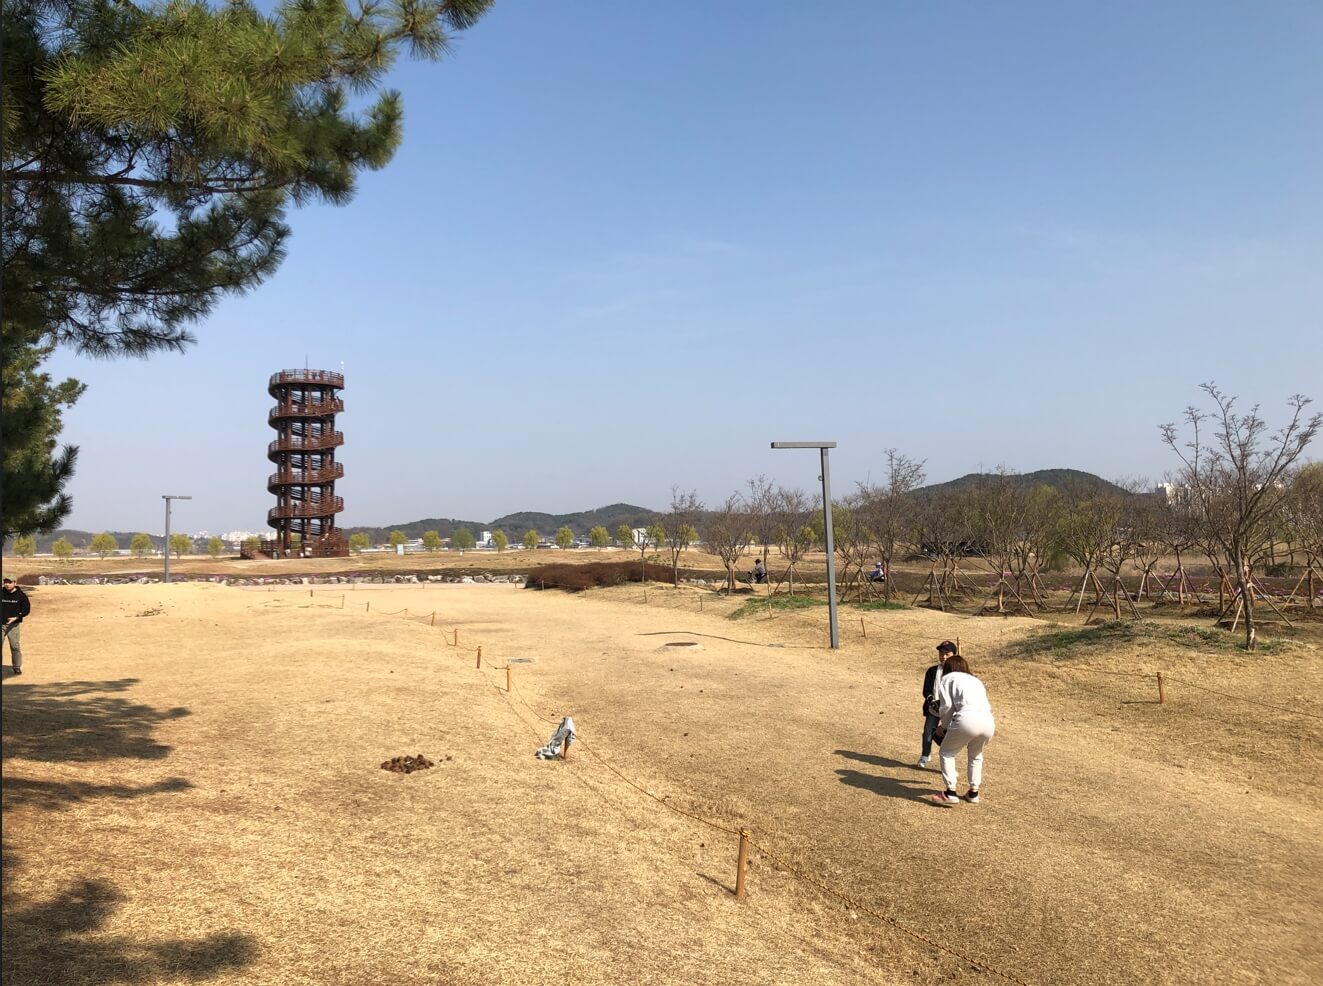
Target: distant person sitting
point(878, 574)
point(759, 571)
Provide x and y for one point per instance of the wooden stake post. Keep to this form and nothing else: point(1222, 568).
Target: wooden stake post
point(1162, 690)
point(743, 861)
point(479, 664)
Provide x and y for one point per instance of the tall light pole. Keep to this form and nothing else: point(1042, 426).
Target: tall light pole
point(826, 523)
point(167, 500)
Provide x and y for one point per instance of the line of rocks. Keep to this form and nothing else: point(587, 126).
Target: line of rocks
point(287, 579)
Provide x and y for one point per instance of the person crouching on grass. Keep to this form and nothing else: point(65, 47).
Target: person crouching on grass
point(965, 723)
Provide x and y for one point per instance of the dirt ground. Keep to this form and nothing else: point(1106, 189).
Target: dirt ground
point(193, 792)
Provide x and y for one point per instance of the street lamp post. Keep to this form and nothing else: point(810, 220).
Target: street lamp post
point(167, 500)
point(831, 541)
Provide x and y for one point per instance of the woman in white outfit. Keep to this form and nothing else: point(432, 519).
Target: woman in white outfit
point(965, 720)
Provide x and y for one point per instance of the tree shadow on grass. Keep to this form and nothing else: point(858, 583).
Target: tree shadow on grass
point(78, 722)
point(44, 943)
point(61, 940)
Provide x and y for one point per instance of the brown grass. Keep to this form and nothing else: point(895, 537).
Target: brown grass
point(196, 794)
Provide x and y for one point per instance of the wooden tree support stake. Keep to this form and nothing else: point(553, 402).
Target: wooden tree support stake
point(1162, 690)
point(479, 664)
point(433, 617)
point(743, 861)
point(863, 627)
point(368, 608)
point(456, 636)
point(309, 593)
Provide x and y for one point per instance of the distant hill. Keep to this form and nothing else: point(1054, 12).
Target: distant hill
point(1065, 480)
point(610, 517)
point(517, 524)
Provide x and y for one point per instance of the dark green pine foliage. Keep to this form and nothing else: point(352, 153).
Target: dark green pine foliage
point(35, 467)
point(150, 153)
point(149, 156)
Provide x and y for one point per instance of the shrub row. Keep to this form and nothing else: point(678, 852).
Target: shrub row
point(576, 578)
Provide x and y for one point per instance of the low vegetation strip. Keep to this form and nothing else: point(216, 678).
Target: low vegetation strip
point(759, 606)
point(1062, 641)
point(573, 577)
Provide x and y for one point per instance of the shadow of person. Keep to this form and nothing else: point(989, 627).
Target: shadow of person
point(876, 761)
point(906, 789)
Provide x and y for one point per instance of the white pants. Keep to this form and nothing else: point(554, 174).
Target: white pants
point(966, 731)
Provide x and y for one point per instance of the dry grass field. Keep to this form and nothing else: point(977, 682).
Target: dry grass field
point(193, 792)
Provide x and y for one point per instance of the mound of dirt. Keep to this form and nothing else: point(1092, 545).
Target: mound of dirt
point(407, 765)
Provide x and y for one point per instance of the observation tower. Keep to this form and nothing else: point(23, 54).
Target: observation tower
point(304, 453)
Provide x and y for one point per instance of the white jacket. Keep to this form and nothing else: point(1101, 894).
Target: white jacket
point(961, 695)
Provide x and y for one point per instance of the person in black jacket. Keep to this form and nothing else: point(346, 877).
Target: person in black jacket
point(14, 606)
point(932, 678)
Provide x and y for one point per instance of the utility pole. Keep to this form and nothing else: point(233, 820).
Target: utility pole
point(826, 523)
point(167, 500)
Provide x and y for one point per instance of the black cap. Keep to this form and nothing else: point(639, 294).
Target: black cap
point(946, 647)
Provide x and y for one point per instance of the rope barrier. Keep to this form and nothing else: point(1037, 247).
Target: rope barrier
point(1241, 698)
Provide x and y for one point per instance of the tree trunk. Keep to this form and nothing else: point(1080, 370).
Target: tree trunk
point(1247, 600)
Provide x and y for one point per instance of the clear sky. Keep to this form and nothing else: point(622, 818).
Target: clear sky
point(625, 246)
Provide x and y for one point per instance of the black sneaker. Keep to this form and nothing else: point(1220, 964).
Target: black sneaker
point(18, 670)
point(971, 796)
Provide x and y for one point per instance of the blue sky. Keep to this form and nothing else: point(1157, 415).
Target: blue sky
point(625, 246)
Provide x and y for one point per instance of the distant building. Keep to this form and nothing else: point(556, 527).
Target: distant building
point(1173, 493)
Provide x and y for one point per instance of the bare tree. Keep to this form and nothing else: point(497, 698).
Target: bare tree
point(889, 508)
point(760, 507)
point(1305, 509)
point(942, 535)
point(1087, 532)
point(1237, 476)
point(998, 506)
point(853, 540)
point(725, 531)
point(793, 535)
point(1036, 541)
point(681, 526)
point(1125, 542)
